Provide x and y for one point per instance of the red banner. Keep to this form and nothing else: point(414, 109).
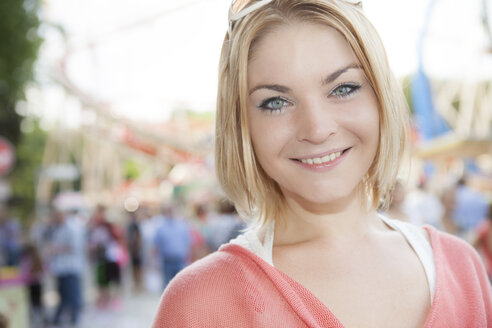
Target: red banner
point(7, 156)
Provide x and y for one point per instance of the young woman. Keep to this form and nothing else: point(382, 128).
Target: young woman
point(310, 132)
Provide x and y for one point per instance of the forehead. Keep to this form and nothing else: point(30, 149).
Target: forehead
point(299, 48)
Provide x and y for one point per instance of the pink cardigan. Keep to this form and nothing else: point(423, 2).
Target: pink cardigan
point(235, 288)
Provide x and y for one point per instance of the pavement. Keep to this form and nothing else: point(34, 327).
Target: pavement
point(131, 311)
point(127, 310)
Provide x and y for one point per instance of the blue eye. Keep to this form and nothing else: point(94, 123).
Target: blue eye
point(274, 104)
point(345, 90)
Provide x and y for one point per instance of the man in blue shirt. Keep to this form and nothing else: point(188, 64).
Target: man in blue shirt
point(67, 264)
point(173, 244)
point(470, 209)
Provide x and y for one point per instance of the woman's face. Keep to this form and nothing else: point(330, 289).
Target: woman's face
point(313, 116)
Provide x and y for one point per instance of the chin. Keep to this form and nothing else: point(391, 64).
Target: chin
point(322, 200)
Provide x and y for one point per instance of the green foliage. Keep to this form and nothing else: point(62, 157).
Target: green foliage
point(20, 43)
point(406, 84)
point(29, 152)
point(456, 103)
point(203, 116)
point(131, 169)
point(19, 46)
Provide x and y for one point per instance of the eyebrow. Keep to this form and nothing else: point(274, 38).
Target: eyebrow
point(274, 87)
point(333, 76)
point(330, 78)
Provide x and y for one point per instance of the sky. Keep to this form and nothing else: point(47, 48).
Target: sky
point(147, 58)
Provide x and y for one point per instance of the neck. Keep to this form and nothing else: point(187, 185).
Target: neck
point(300, 224)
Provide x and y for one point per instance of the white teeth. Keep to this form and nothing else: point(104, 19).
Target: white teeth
point(324, 159)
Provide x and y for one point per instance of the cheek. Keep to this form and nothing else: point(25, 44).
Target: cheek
point(364, 124)
point(264, 142)
point(269, 135)
point(372, 126)
point(259, 139)
point(372, 134)
point(255, 129)
point(364, 119)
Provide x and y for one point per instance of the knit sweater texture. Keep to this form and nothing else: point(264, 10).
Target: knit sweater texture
point(235, 288)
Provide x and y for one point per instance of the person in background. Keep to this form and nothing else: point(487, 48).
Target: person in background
point(106, 247)
point(470, 208)
point(4, 322)
point(483, 241)
point(32, 272)
point(200, 232)
point(10, 238)
point(224, 226)
point(173, 245)
point(135, 248)
point(66, 265)
point(423, 206)
point(152, 276)
point(448, 201)
point(78, 223)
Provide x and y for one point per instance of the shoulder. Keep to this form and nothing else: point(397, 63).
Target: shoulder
point(203, 274)
point(203, 292)
point(413, 233)
point(455, 256)
point(428, 233)
point(447, 243)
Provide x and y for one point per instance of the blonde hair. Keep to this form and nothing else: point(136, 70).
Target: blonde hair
point(253, 192)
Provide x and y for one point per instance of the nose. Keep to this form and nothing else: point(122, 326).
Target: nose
point(315, 124)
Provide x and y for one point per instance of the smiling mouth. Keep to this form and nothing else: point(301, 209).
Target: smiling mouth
point(322, 160)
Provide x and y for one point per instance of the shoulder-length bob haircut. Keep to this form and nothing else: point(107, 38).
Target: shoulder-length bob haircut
point(254, 193)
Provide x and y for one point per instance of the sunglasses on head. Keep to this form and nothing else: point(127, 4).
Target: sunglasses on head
point(241, 8)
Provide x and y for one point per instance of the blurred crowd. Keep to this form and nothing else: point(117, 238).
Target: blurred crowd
point(75, 251)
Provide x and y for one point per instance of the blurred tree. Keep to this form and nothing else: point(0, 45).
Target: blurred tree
point(30, 151)
point(131, 169)
point(407, 91)
point(20, 42)
point(19, 46)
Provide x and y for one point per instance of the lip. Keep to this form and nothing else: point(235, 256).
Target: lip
point(320, 155)
point(323, 166)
